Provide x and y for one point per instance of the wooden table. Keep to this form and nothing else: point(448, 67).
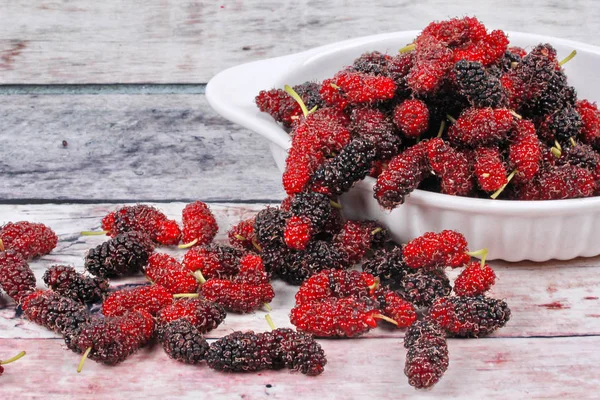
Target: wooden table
point(103, 105)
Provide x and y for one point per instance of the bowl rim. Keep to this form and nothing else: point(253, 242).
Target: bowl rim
point(274, 69)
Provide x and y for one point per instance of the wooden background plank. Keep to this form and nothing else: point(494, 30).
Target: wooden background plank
point(152, 147)
point(484, 368)
point(547, 299)
point(167, 41)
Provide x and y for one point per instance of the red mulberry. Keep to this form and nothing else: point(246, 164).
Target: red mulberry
point(151, 299)
point(203, 314)
point(28, 239)
point(166, 271)
point(199, 223)
point(489, 169)
point(16, 278)
point(474, 280)
point(480, 127)
point(437, 250)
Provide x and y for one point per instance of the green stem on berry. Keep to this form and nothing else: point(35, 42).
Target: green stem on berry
point(312, 110)
point(555, 152)
point(514, 64)
point(407, 48)
point(442, 127)
point(267, 306)
point(376, 231)
point(508, 179)
point(451, 118)
point(12, 359)
point(288, 89)
point(270, 321)
point(239, 237)
point(481, 252)
point(93, 233)
point(199, 277)
point(573, 142)
point(375, 284)
point(383, 317)
point(256, 245)
point(188, 245)
point(568, 58)
point(485, 175)
point(335, 204)
point(514, 114)
point(186, 295)
point(557, 145)
point(83, 358)
point(333, 85)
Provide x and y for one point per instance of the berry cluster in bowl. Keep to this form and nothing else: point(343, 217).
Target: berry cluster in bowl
point(458, 111)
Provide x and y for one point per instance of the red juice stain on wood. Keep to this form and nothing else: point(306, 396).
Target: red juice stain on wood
point(593, 315)
point(590, 298)
point(555, 305)
point(551, 289)
point(499, 358)
point(7, 57)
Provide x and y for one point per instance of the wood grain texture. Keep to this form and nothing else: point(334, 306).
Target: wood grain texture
point(156, 147)
point(554, 368)
point(189, 41)
point(547, 299)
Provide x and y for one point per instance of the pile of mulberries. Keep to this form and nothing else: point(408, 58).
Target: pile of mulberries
point(459, 111)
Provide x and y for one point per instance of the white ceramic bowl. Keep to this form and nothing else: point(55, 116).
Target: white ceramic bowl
point(512, 230)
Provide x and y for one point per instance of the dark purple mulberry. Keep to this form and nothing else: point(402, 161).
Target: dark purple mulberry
point(126, 253)
point(427, 357)
point(183, 342)
point(64, 280)
point(387, 265)
point(423, 288)
point(479, 87)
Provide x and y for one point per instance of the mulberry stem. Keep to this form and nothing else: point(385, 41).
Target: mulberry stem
point(267, 306)
point(376, 231)
point(514, 114)
point(288, 89)
point(335, 204)
point(188, 245)
point(451, 118)
point(383, 317)
point(555, 152)
point(83, 358)
point(13, 359)
point(256, 245)
point(186, 295)
point(1, 245)
point(497, 192)
point(481, 252)
point(573, 142)
point(199, 277)
point(93, 233)
point(568, 58)
point(239, 237)
point(270, 321)
point(407, 48)
point(441, 130)
point(375, 284)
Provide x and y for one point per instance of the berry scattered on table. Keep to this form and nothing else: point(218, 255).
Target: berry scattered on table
point(28, 239)
point(125, 254)
point(16, 277)
point(64, 280)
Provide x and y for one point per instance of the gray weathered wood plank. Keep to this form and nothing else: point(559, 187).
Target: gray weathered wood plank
point(555, 368)
point(166, 41)
point(548, 299)
point(155, 147)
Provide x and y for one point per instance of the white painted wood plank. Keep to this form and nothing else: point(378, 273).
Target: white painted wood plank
point(170, 41)
point(549, 299)
point(157, 147)
point(557, 368)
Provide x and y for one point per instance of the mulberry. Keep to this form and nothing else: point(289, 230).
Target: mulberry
point(423, 288)
point(213, 260)
point(437, 250)
point(55, 312)
point(16, 278)
point(199, 224)
point(203, 314)
point(67, 282)
point(242, 235)
point(146, 219)
point(474, 280)
point(296, 267)
point(166, 271)
point(451, 166)
point(358, 237)
point(183, 342)
point(480, 88)
point(412, 118)
point(481, 127)
point(489, 169)
point(427, 357)
point(469, 316)
point(151, 299)
point(387, 264)
point(237, 296)
point(28, 239)
point(362, 88)
point(126, 253)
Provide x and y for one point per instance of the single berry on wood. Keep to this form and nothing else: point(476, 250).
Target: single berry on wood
point(199, 224)
point(474, 280)
point(28, 239)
